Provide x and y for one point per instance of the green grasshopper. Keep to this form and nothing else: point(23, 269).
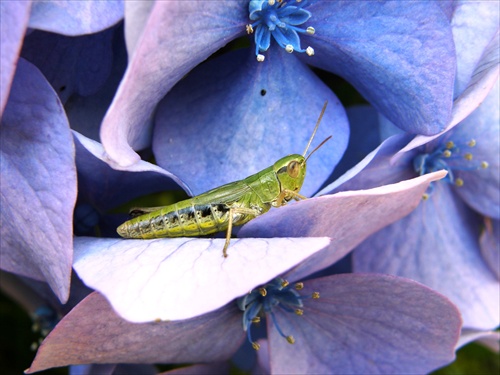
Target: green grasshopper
point(219, 209)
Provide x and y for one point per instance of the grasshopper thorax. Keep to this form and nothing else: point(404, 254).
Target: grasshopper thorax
point(291, 171)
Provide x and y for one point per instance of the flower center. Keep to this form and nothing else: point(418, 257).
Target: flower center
point(264, 301)
point(281, 20)
point(451, 157)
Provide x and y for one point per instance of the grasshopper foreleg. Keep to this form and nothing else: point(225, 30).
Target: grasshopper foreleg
point(281, 198)
point(234, 211)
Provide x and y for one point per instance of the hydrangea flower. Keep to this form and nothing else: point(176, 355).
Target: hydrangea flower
point(439, 243)
point(350, 322)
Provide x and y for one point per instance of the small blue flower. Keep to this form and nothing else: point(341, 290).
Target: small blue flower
point(279, 19)
point(278, 293)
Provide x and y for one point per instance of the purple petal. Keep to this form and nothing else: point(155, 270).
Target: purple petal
point(489, 241)
point(14, 15)
point(490, 339)
point(474, 24)
point(172, 279)
point(93, 333)
point(347, 218)
point(197, 135)
point(73, 18)
point(177, 37)
point(107, 187)
point(480, 189)
point(38, 183)
point(72, 65)
point(438, 246)
point(483, 79)
point(366, 324)
point(399, 55)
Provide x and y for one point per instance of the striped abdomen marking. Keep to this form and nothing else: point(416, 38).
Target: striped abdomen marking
point(173, 221)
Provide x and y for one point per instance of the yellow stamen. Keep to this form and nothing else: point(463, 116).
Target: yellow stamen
point(471, 143)
point(468, 156)
point(256, 320)
point(290, 339)
point(459, 182)
point(299, 286)
point(310, 51)
point(425, 196)
point(289, 48)
point(299, 312)
point(446, 153)
point(249, 29)
point(255, 346)
point(310, 30)
point(263, 292)
point(450, 145)
point(484, 164)
point(284, 283)
point(315, 295)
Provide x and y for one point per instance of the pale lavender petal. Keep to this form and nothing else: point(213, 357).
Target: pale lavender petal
point(38, 182)
point(346, 217)
point(438, 245)
point(473, 25)
point(208, 143)
point(177, 37)
point(14, 16)
point(481, 185)
point(174, 278)
point(366, 324)
point(490, 339)
point(93, 333)
point(73, 18)
point(490, 245)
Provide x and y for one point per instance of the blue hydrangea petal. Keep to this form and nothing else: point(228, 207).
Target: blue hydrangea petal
point(474, 24)
point(480, 189)
point(166, 53)
point(376, 45)
point(73, 65)
point(208, 143)
point(294, 16)
point(73, 18)
point(286, 37)
point(438, 246)
point(94, 326)
point(262, 39)
point(38, 183)
point(363, 324)
point(14, 16)
point(347, 217)
point(490, 238)
point(483, 79)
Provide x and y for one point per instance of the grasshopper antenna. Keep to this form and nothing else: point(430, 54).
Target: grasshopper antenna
point(315, 129)
point(316, 149)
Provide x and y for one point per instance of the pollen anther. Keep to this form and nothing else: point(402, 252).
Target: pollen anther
point(471, 143)
point(290, 339)
point(315, 295)
point(299, 286)
point(310, 30)
point(459, 182)
point(310, 51)
point(249, 29)
point(255, 345)
point(450, 145)
point(263, 292)
point(468, 156)
point(289, 48)
point(446, 153)
point(484, 164)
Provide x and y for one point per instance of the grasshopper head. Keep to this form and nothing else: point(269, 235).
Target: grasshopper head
point(291, 171)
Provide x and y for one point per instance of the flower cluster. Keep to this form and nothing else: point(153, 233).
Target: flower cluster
point(382, 259)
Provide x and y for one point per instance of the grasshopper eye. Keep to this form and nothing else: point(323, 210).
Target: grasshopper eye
point(293, 169)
